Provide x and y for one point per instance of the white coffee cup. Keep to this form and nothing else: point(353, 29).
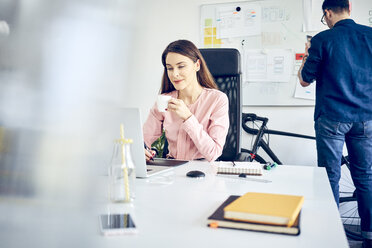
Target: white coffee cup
point(163, 102)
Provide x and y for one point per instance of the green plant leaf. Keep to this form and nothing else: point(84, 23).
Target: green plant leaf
point(159, 145)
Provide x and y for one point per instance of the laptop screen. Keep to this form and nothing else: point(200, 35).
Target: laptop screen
point(131, 119)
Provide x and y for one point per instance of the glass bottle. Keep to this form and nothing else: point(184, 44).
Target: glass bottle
point(122, 173)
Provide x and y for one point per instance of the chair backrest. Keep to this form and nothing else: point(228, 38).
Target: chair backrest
point(225, 66)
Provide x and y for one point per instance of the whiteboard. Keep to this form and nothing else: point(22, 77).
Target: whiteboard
point(281, 28)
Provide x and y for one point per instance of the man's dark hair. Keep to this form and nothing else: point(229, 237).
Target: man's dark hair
point(336, 6)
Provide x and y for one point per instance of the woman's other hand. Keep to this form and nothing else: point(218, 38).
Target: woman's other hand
point(149, 154)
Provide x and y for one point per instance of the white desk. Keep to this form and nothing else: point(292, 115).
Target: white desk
point(171, 210)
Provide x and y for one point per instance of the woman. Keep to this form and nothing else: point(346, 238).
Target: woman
point(197, 119)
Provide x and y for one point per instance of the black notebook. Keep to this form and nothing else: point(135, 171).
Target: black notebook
point(166, 162)
point(217, 220)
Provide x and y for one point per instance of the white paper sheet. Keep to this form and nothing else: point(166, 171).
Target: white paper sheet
point(305, 92)
point(232, 23)
point(273, 14)
point(312, 15)
point(268, 65)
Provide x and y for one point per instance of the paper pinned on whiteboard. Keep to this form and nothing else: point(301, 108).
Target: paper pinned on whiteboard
point(305, 92)
point(312, 10)
point(273, 65)
point(273, 14)
point(238, 21)
point(272, 38)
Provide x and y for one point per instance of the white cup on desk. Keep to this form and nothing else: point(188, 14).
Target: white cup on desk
point(162, 102)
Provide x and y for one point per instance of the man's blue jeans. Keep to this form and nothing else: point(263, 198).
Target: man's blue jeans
point(330, 138)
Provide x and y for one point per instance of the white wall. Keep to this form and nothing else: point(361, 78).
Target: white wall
point(161, 22)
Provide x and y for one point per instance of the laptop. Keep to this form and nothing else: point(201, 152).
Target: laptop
point(133, 130)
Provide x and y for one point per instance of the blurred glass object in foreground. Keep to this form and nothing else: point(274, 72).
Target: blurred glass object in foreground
point(62, 65)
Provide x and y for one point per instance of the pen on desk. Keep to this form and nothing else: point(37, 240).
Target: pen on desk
point(244, 177)
point(149, 150)
point(253, 179)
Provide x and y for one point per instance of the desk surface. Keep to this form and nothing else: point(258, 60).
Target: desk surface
point(171, 209)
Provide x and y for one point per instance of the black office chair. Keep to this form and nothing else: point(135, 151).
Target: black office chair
point(225, 66)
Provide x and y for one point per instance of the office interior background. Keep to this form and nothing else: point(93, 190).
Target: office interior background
point(62, 65)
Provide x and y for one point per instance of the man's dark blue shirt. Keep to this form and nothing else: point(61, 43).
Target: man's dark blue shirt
point(340, 60)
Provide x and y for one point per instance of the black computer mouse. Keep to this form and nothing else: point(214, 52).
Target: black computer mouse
point(195, 173)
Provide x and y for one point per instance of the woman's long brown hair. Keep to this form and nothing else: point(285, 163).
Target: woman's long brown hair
point(188, 49)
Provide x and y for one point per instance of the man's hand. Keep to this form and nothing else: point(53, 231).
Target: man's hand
point(302, 82)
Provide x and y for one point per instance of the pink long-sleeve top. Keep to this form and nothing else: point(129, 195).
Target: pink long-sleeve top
point(203, 135)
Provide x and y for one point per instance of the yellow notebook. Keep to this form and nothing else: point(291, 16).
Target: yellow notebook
point(275, 209)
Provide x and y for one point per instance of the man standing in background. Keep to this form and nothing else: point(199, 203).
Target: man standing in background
point(340, 60)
